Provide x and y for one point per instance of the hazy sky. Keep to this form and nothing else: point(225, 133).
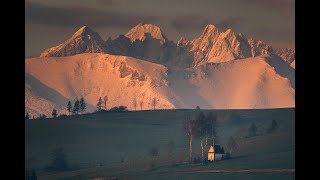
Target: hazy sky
point(50, 22)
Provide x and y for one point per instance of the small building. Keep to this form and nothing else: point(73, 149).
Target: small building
point(215, 153)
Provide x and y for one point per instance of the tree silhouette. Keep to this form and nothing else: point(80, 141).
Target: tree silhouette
point(154, 103)
point(83, 105)
point(76, 107)
point(105, 100)
point(273, 126)
point(27, 116)
point(153, 151)
point(59, 161)
point(54, 113)
point(232, 145)
point(99, 104)
point(134, 102)
point(69, 107)
point(205, 127)
point(189, 127)
point(253, 129)
point(141, 104)
point(42, 116)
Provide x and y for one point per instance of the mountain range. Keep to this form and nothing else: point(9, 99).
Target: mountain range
point(219, 69)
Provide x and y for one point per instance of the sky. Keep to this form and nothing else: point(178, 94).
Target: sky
point(51, 22)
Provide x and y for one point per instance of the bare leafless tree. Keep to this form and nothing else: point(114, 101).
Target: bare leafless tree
point(206, 126)
point(154, 103)
point(141, 101)
point(134, 102)
point(189, 129)
point(105, 100)
point(141, 104)
point(232, 145)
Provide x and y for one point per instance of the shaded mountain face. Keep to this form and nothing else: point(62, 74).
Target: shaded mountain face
point(148, 42)
point(85, 40)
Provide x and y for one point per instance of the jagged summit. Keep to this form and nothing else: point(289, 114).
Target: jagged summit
point(84, 30)
point(210, 28)
point(182, 41)
point(139, 33)
point(215, 47)
point(148, 42)
point(85, 40)
point(210, 31)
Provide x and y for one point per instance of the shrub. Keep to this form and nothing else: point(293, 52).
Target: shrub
point(196, 160)
point(273, 126)
point(228, 155)
point(119, 108)
point(253, 130)
point(59, 162)
point(153, 151)
point(63, 115)
point(152, 165)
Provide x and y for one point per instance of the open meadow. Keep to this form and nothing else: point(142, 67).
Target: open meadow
point(117, 144)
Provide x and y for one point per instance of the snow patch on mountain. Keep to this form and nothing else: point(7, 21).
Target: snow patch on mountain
point(92, 76)
point(257, 82)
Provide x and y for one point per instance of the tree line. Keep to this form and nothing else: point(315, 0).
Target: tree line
point(80, 106)
point(102, 104)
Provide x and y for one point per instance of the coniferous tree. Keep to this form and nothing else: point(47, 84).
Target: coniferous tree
point(69, 107)
point(54, 113)
point(76, 107)
point(99, 104)
point(83, 105)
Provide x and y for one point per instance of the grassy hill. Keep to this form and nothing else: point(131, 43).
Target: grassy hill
point(106, 138)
